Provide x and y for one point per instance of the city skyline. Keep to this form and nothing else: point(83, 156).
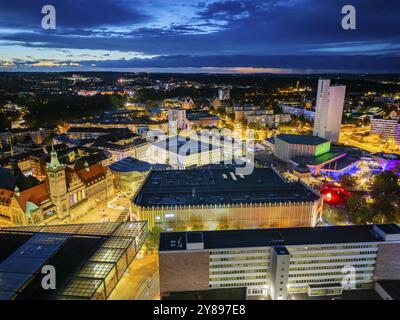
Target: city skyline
point(298, 36)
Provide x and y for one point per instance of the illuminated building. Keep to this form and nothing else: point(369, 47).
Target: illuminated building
point(389, 129)
point(329, 110)
point(120, 149)
point(224, 94)
point(83, 133)
point(90, 259)
point(217, 198)
point(37, 136)
point(333, 194)
point(317, 154)
point(177, 119)
point(129, 173)
point(265, 117)
point(182, 152)
point(22, 200)
point(202, 119)
point(281, 263)
point(288, 146)
point(241, 109)
point(184, 103)
point(75, 191)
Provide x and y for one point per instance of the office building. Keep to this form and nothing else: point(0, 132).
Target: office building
point(329, 110)
point(219, 199)
point(177, 119)
point(182, 152)
point(291, 263)
point(224, 94)
point(298, 111)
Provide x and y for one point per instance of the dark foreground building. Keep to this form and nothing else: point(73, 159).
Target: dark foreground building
point(89, 259)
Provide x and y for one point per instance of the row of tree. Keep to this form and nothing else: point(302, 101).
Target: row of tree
point(380, 205)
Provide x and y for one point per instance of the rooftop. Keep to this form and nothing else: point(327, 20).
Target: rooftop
point(184, 145)
point(130, 164)
point(316, 161)
point(175, 241)
point(301, 139)
point(387, 156)
point(230, 294)
point(200, 115)
point(218, 186)
point(76, 251)
point(97, 130)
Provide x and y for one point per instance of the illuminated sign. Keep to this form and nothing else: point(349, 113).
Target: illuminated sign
point(322, 148)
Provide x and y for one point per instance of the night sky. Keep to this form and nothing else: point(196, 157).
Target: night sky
point(277, 36)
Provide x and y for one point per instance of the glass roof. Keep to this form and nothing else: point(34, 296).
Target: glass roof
point(96, 270)
point(24, 262)
point(107, 255)
point(117, 243)
point(130, 229)
point(84, 288)
point(18, 268)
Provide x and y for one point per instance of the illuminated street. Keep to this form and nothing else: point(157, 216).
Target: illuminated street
point(140, 281)
point(102, 213)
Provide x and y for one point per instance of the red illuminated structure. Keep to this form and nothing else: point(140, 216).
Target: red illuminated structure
point(334, 194)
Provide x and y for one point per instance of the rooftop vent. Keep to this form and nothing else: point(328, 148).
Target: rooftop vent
point(233, 176)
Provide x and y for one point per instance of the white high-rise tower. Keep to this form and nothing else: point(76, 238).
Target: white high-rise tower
point(329, 110)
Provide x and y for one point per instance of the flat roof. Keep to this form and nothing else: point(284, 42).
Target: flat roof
point(316, 161)
point(301, 139)
point(200, 115)
point(219, 186)
point(387, 156)
point(176, 241)
point(392, 288)
point(184, 145)
point(352, 295)
point(234, 294)
point(130, 164)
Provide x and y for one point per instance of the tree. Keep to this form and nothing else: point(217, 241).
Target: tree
point(386, 184)
point(153, 238)
point(348, 181)
point(357, 210)
point(385, 192)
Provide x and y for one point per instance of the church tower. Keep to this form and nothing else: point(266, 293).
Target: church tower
point(58, 185)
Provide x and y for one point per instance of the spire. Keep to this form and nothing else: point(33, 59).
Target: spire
point(16, 191)
point(86, 165)
point(54, 162)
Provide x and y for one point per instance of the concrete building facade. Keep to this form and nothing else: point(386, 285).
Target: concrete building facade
point(329, 110)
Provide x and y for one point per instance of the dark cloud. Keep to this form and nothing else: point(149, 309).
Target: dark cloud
point(356, 63)
point(219, 31)
point(73, 14)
